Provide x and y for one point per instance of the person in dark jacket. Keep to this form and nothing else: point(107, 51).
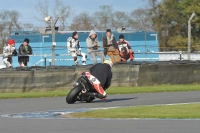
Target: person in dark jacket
point(100, 76)
point(24, 50)
point(111, 47)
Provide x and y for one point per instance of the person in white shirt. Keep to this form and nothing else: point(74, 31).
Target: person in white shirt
point(9, 51)
point(74, 48)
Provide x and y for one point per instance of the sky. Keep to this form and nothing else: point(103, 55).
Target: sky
point(27, 8)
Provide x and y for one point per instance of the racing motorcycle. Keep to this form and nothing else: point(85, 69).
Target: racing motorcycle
point(83, 91)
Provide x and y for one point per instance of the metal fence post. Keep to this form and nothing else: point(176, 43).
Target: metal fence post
point(45, 60)
point(189, 34)
point(53, 23)
point(50, 63)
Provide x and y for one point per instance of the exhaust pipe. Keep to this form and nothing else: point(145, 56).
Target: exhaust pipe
point(84, 91)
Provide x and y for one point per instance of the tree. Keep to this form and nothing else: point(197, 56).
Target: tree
point(28, 27)
point(82, 21)
point(43, 9)
point(119, 19)
point(64, 12)
point(103, 18)
point(158, 19)
point(61, 10)
point(140, 21)
point(8, 22)
point(170, 20)
point(187, 7)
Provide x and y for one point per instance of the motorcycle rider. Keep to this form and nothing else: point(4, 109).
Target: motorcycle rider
point(74, 49)
point(125, 49)
point(100, 76)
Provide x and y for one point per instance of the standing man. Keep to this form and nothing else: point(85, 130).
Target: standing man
point(74, 49)
point(24, 51)
point(111, 47)
point(9, 51)
point(125, 49)
point(93, 47)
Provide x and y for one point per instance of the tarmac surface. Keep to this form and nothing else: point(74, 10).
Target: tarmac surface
point(54, 125)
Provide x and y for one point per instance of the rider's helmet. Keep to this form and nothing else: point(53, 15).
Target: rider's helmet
point(109, 62)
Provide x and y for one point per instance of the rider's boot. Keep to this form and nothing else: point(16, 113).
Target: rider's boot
point(75, 61)
point(83, 63)
point(131, 55)
point(97, 95)
point(100, 96)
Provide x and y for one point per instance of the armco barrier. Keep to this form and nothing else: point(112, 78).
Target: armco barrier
point(52, 78)
point(172, 73)
point(131, 74)
point(125, 75)
point(15, 81)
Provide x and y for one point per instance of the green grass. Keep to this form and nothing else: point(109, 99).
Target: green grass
point(153, 89)
point(112, 90)
point(169, 111)
point(33, 94)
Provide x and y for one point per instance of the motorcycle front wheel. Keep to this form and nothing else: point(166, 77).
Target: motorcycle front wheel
point(72, 95)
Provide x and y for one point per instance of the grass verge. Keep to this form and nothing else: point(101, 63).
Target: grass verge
point(112, 90)
point(185, 111)
point(153, 89)
point(33, 94)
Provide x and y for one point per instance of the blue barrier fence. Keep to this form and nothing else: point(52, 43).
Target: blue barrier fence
point(42, 51)
point(141, 42)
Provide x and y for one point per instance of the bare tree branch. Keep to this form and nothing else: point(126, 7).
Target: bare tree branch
point(82, 22)
point(103, 17)
point(140, 20)
point(8, 22)
point(119, 20)
point(43, 9)
point(63, 12)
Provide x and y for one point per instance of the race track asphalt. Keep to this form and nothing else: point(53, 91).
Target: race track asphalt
point(51, 125)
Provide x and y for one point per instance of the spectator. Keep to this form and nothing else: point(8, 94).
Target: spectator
point(9, 51)
point(125, 49)
point(93, 47)
point(24, 51)
point(74, 49)
point(111, 47)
